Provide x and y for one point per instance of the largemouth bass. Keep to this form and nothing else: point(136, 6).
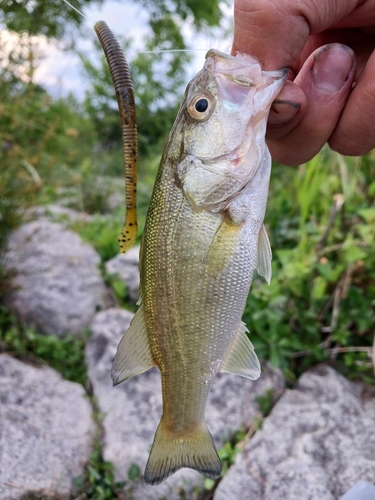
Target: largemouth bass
point(203, 238)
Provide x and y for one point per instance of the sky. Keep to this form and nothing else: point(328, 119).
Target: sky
point(61, 72)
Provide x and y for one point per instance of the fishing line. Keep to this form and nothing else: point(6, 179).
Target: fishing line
point(166, 51)
point(78, 11)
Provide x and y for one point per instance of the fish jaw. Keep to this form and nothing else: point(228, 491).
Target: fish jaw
point(240, 96)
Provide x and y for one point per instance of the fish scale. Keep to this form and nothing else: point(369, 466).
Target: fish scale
point(203, 239)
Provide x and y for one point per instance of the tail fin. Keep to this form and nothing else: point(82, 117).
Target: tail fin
point(170, 452)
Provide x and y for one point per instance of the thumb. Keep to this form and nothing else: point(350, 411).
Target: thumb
point(276, 31)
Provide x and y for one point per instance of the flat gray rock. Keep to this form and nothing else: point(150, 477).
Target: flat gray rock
point(57, 286)
point(133, 409)
point(317, 443)
point(125, 266)
point(46, 430)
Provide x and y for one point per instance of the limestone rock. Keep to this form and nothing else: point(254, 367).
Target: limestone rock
point(57, 286)
point(46, 430)
point(317, 443)
point(133, 409)
point(125, 266)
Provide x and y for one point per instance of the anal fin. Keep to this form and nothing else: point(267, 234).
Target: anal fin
point(241, 359)
point(133, 354)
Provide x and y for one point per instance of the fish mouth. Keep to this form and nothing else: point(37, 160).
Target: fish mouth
point(241, 82)
point(244, 70)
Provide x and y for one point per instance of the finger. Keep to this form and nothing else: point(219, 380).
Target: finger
point(326, 79)
point(263, 30)
point(275, 31)
point(355, 132)
point(287, 110)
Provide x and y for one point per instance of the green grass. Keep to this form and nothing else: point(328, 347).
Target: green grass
point(97, 481)
point(65, 355)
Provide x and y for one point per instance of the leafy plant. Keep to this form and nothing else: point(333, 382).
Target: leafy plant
point(134, 473)
point(266, 402)
point(98, 481)
point(102, 233)
point(63, 354)
point(320, 303)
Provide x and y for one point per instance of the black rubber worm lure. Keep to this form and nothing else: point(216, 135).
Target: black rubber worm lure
point(122, 82)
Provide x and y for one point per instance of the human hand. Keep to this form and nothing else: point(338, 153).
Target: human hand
point(330, 92)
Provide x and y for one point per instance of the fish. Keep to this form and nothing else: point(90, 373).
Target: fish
point(204, 236)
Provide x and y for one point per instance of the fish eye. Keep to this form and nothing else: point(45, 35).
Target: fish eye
point(201, 106)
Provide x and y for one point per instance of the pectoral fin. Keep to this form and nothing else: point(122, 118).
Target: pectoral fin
point(133, 353)
point(223, 246)
point(264, 266)
point(242, 359)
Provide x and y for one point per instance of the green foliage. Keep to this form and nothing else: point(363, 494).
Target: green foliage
point(134, 473)
point(207, 13)
point(266, 402)
point(41, 141)
point(320, 304)
point(230, 449)
point(119, 292)
point(119, 288)
point(41, 17)
point(63, 354)
point(98, 481)
point(54, 19)
point(102, 233)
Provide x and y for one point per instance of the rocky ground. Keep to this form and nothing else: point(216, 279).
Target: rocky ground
point(316, 443)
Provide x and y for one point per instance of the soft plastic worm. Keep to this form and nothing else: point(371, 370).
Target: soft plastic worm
point(122, 82)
